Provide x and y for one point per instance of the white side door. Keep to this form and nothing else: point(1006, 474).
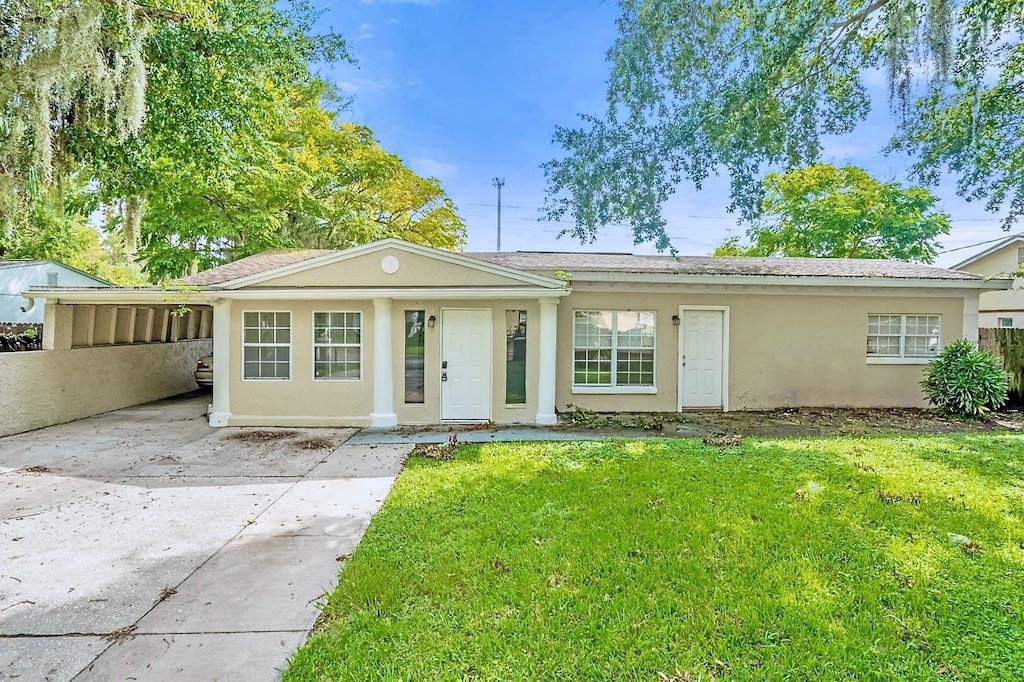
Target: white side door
point(465, 364)
point(701, 358)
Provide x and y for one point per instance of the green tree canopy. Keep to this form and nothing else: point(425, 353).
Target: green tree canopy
point(697, 88)
point(198, 128)
point(824, 211)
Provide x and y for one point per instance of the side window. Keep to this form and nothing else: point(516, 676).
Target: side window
point(414, 356)
point(515, 357)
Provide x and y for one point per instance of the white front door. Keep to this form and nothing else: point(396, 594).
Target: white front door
point(701, 358)
point(465, 364)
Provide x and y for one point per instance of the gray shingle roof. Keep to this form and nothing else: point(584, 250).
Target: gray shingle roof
point(252, 265)
point(549, 262)
point(708, 265)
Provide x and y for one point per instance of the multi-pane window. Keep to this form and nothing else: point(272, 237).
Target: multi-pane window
point(266, 345)
point(613, 348)
point(337, 346)
point(515, 357)
point(903, 336)
point(414, 356)
point(1005, 322)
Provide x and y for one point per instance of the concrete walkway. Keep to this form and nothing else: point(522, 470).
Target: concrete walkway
point(144, 545)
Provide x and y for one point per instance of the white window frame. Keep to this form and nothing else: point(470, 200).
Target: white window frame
point(291, 339)
point(614, 388)
point(902, 358)
point(1000, 325)
point(316, 345)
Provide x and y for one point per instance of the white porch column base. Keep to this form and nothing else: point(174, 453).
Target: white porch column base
point(220, 410)
point(546, 355)
point(971, 316)
point(383, 415)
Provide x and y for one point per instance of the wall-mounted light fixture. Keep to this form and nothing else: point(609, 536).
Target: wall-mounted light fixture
point(431, 321)
point(675, 320)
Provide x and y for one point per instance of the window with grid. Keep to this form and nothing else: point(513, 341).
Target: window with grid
point(337, 346)
point(1005, 321)
point(903, 336)
point(613, 348)
point(266, 345)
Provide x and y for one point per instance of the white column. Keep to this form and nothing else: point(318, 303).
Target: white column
point(546, 355)
point(220, 410)
point(971, 316)
point(383, 415)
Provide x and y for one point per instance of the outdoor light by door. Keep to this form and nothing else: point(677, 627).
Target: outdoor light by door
point(675, 320)
point(431, 321)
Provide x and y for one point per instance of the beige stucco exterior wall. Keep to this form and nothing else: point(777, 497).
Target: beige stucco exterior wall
point(414, 271)
point(784, 350)
point(303, 401)
point(42, 388)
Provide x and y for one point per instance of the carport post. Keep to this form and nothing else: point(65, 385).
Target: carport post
point(547, 352)
point(220, 410)
point(383, 415)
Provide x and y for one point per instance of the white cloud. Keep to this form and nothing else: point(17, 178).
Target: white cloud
point(392, 20)
point(364, 27)
point(365, 36)
point(432, 168)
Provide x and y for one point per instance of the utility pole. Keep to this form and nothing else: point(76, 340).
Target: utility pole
point(499, 183)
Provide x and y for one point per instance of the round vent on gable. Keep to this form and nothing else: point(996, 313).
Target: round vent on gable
point(389, 264)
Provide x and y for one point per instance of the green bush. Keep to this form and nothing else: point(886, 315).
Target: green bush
point(965, 381)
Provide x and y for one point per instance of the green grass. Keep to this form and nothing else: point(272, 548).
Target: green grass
point(775, 560)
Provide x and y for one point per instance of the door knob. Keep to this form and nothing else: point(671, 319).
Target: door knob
point(444, 376)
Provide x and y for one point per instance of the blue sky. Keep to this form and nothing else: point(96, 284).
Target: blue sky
point(465, 90)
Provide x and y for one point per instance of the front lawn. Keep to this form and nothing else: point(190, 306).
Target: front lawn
point(823, 559)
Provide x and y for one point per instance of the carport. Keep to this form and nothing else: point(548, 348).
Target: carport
point(103, 349)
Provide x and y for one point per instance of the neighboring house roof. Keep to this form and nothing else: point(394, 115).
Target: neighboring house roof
point(23, 262)
point(718, 265)
point(253, 265)
point(992, 249)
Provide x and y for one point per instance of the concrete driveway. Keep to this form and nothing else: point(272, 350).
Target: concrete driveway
point(144, 545)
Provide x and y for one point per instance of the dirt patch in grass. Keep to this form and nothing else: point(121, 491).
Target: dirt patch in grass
point(36, 470)
point(262, 436)
point(786, 422)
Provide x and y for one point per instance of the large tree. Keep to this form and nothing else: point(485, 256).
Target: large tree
point(199, 129)
point(701, 87)
point(314, 182)
point(824, 211)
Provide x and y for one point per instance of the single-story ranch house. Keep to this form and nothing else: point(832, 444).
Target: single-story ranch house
point(394, 333)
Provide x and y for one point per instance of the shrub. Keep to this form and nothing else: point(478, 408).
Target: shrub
point(965, 381)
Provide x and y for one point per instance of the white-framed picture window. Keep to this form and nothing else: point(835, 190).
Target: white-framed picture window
point(904, 336)
point(1005, 322)
point(337, 346)
point(266, 346)
point(613, 349)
